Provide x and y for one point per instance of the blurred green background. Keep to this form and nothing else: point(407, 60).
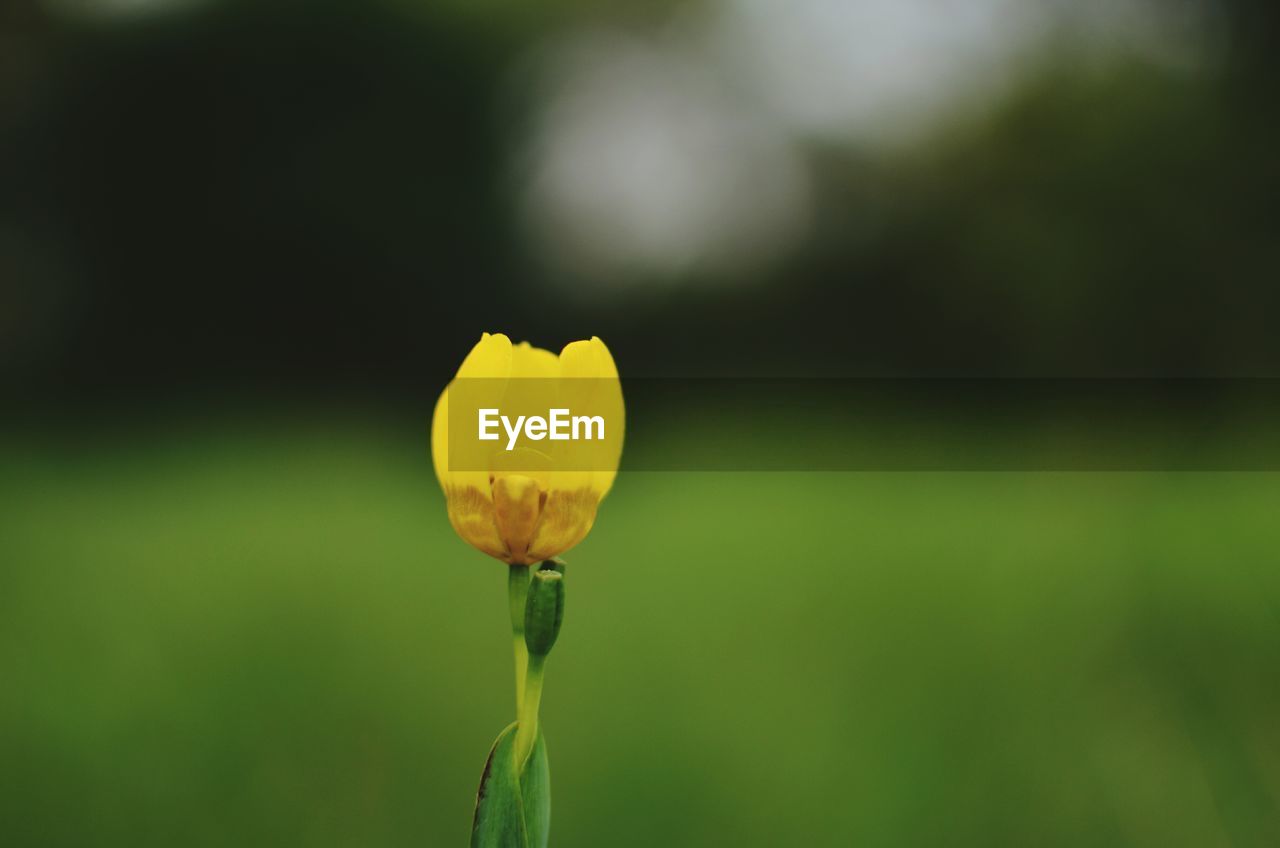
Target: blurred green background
point(277, 639)
point(244, 244)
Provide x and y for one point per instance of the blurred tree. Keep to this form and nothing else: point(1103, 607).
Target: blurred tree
point(316, 197)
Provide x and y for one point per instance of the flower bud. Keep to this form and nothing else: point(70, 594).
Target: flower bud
point(543, 611)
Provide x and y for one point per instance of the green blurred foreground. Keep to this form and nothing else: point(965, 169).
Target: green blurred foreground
point(238, 638)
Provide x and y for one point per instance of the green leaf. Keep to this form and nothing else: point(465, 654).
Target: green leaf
point(513, 812)
point(535, 786)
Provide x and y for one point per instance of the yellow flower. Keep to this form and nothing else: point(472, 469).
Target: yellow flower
point(530, 504)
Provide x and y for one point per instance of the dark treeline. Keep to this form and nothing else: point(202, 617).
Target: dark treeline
point(240, 198)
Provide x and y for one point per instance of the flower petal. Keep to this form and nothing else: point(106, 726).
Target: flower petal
point(591, 360)
point(491, 357)
point(517, 505)
point(529, 362)
point(566, 519)
point(472, 514)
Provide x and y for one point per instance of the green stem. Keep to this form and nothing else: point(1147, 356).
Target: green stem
point(527, 729)
point(517, 591)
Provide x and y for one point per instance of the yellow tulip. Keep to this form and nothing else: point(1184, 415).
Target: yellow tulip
point(534, 504)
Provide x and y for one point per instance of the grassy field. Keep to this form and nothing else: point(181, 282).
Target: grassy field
point(274, 638)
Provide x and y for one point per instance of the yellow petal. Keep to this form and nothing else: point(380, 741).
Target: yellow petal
point(491, 357)
point(615, 409)
point(472, 514)
point(468, 495)
point(532, 390)
point(591, 360)
point(487, 370)
point(566, 519)
point(517, 504)
point(529, 362)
